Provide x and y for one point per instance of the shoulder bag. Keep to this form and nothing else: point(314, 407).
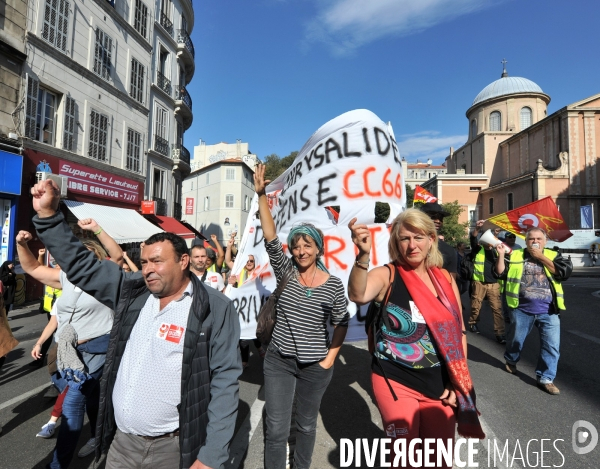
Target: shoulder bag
point(267, 316)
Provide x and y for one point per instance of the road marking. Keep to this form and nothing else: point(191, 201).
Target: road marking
point(243, 437)
point(491, 436)
point(23, 396)
point(586, 336)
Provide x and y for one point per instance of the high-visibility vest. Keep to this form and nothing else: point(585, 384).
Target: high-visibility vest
point(50, 295)
point(212, 268)
point(478, 266)
point(242, 277)
point(515, 272)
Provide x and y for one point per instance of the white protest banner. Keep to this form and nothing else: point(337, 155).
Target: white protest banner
point(352, 162)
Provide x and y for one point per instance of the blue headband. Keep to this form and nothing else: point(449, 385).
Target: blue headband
point(311, 231)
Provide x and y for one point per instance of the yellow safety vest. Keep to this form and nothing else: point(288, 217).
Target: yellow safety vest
point(50, 294)
point(212, 268)
point(242, 277)
point(478, 264)
point(515, 272)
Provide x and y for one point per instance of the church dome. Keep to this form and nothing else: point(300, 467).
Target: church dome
point(506, 86)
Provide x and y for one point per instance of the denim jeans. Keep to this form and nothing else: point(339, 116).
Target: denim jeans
point(75, 404)
point(284, 377)
point(519, 328)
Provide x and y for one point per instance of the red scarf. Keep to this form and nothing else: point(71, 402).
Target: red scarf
point(444, 322)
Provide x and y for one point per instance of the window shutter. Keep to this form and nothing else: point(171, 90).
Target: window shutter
point(63, 24)
point(31, 106)
point(69, 133)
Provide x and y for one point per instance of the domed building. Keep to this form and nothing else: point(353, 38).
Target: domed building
point(516, 154)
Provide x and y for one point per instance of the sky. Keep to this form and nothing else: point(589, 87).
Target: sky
point(271, 72)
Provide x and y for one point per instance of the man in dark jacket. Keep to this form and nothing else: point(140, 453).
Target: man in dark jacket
point(437, 215)
point(169, 391)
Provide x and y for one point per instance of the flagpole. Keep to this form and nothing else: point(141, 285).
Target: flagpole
point(592, 216)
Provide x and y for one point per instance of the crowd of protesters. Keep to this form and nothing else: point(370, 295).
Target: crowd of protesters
point(152, 353)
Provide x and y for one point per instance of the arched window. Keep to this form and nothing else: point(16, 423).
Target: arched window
point(495, 121)
point(525, 117)
point(473, 128)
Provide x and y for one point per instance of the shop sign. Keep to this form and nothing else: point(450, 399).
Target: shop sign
point(189, 205)
point(148, 207)
point(98, 183)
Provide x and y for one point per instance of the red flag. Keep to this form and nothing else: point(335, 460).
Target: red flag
point(542, 214)
point(421, 195)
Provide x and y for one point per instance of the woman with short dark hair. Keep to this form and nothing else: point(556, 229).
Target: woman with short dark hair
point(300, 357)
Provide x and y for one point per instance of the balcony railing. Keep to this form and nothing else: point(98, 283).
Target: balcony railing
point(182, 94)
point(177, 211)
point(161, 206)
point(180, 152)
point(184, 38)
point(161, 145)
point(163, 83)
point(166, 23)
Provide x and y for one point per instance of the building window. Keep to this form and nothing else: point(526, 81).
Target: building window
point(40, 113)
point(495, 121)
point(69, 126)
point(136, 90)
point(229, 201)
point(509, 201)
point(473, 128)
point(56, 23)
point(134, 149)
point(525, 117)
point(207, 179)
point(206, 203)
point(98, 136)
point(140, 22)
point(161, 136)
point(158, 184)
point(230, 174)
point(474, 188)
point(103, 54)
point(491, 205)
point(246, 203)
point(411, 173)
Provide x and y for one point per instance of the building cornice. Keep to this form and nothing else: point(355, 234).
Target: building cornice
point(505, 97)
point(85, 73)
point(34, 145)
point(540, 123)
point(510, 182)
point(123, 22)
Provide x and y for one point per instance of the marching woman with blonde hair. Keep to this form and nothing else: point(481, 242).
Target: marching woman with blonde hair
point(300, 356)
point(419, 371)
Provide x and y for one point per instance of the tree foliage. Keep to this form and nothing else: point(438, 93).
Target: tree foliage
point(275, 166)
point(453, 231)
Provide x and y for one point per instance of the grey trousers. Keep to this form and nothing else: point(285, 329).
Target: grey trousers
point(129, 451)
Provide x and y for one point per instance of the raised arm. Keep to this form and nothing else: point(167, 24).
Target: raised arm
point(114, 250)
point(266, 219)
point(41, 254)
point(365, 285)
point(220, 253)
point(31, 265)
point(228, 260)
point(130, 263)
point(100, 279)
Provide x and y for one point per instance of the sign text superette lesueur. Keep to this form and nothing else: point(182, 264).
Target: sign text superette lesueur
point(68, 170)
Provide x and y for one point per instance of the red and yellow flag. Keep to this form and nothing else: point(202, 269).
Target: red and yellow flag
point(421, 195)
point(541, 214)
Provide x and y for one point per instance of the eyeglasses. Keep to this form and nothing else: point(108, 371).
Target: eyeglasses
point(250, 260)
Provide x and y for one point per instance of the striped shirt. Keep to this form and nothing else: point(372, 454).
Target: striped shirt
point(301, 328)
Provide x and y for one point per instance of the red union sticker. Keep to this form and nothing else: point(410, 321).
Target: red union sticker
point(171, 332)
point(162, 330)
point(175, 333)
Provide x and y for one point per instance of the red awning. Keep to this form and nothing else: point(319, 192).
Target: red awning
point(172, 225)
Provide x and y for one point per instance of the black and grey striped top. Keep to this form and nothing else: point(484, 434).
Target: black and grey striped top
point(301, 330)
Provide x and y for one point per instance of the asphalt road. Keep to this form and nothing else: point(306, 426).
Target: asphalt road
point(520, 420)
